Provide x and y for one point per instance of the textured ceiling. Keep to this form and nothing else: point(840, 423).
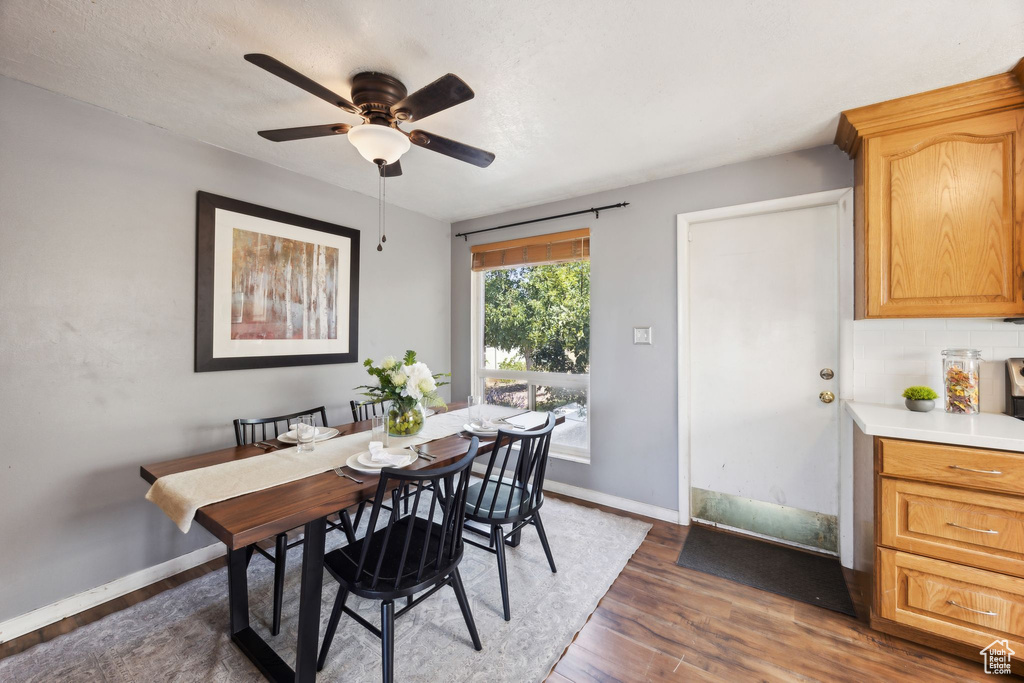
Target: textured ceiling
point(573, 97)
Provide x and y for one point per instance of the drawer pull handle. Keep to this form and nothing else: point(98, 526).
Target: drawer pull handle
point(971, 469)
point(976, 611)
point(970, 528)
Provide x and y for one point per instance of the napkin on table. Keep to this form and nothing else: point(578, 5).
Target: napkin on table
point(380, 455)
point(294, 433)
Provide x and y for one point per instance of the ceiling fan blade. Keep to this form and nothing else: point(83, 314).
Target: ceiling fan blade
point(303, 132)
point(443, 93)
point(295, 78)
point(456, 150)
point(392, 170)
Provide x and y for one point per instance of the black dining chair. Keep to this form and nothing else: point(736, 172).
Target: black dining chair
point(511, 493)
point(364, 410)
point(246, 430)
point(412, 553)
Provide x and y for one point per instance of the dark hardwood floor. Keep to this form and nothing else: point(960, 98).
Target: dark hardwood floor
point(661, 622)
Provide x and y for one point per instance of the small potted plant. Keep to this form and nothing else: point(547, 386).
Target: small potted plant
point(920, 399)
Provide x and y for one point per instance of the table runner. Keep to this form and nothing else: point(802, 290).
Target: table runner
point(179, 495)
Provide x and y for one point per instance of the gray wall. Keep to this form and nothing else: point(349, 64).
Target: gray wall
point(633, 281)
point(97, 254)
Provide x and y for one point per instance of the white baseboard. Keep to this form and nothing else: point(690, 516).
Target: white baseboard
point(52, 613)
point(625, 504)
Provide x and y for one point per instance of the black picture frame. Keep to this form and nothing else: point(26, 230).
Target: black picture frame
point(206, 205)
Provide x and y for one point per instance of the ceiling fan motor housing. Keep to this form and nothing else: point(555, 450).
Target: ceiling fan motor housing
point(375, 93)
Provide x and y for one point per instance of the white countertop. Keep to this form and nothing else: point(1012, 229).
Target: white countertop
point(984, 430)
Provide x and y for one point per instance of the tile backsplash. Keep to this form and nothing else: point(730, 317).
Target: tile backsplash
point(890, 355)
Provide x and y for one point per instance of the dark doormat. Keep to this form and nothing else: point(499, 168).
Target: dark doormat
point(802, 576)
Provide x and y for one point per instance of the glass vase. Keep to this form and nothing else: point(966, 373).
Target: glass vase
point(405, 420)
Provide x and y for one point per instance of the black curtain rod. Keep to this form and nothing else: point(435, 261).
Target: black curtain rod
point(594, 210)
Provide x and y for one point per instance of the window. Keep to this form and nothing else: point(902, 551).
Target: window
point(531, 331)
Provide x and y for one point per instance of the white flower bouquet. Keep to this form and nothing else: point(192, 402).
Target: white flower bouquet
point(408, 385)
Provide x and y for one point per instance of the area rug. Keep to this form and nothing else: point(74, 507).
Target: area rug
point(803, 576)
point(181, 635)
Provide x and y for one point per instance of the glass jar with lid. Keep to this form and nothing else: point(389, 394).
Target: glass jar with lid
point(961, 371)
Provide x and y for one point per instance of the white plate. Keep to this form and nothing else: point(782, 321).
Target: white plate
point(472, 429)
point(322, 434)
point(359, 461)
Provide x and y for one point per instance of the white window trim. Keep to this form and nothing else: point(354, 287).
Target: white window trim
point(479, 373)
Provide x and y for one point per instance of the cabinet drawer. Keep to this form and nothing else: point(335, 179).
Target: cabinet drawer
point(948, 600)
point(981, 529)
point(958, 465)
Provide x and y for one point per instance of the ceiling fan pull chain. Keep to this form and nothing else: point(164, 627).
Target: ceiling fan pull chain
point(384, 205)
point(380, 181)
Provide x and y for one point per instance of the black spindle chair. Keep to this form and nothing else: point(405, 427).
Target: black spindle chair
point(407, 555)
point(364, 410)
point(511, 493)
point(246, 431)
point(246, 428)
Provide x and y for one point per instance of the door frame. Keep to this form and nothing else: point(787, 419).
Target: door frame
point(842, 199)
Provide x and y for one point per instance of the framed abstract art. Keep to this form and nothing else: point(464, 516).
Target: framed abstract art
point(273, 288)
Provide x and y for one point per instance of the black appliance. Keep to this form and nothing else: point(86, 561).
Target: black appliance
point(1015, 387)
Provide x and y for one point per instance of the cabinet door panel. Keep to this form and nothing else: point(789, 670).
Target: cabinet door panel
point(948, 600)
point(946, 234)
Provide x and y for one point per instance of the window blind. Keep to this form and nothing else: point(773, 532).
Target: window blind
point(559, 247)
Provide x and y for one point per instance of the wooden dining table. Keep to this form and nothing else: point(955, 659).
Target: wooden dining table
point(243, 521)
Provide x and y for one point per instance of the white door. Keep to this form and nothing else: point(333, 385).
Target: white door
point(763, 326)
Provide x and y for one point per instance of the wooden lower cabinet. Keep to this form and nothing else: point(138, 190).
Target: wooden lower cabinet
point(949, 546)
point(971, 468)
point(958, 525)
point(950, 600)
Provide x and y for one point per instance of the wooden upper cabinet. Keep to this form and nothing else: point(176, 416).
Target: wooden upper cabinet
point(939, 201)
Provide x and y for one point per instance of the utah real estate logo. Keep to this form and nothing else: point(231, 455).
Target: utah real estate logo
point(997, 657)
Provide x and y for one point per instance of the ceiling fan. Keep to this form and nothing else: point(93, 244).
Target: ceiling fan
point(383, 102)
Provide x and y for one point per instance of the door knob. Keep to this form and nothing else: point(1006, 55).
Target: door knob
point(826, 397)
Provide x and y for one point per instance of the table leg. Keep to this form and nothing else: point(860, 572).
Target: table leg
point(238, 588)
point(250, 643)
point(309, 601)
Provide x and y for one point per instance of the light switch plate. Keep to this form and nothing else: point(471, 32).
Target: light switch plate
point(642, 335)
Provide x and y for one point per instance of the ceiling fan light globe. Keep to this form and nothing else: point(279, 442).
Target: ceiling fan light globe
point(378, 142)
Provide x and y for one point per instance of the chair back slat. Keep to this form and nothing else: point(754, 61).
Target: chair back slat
point(387, 537)
point(245, 428)
point(439, 543)
point(521, 480)
point(458, 521)
point(371, 525)
point(409, 528)
point(488, 472)
point(448, 485)
point(426, 546)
